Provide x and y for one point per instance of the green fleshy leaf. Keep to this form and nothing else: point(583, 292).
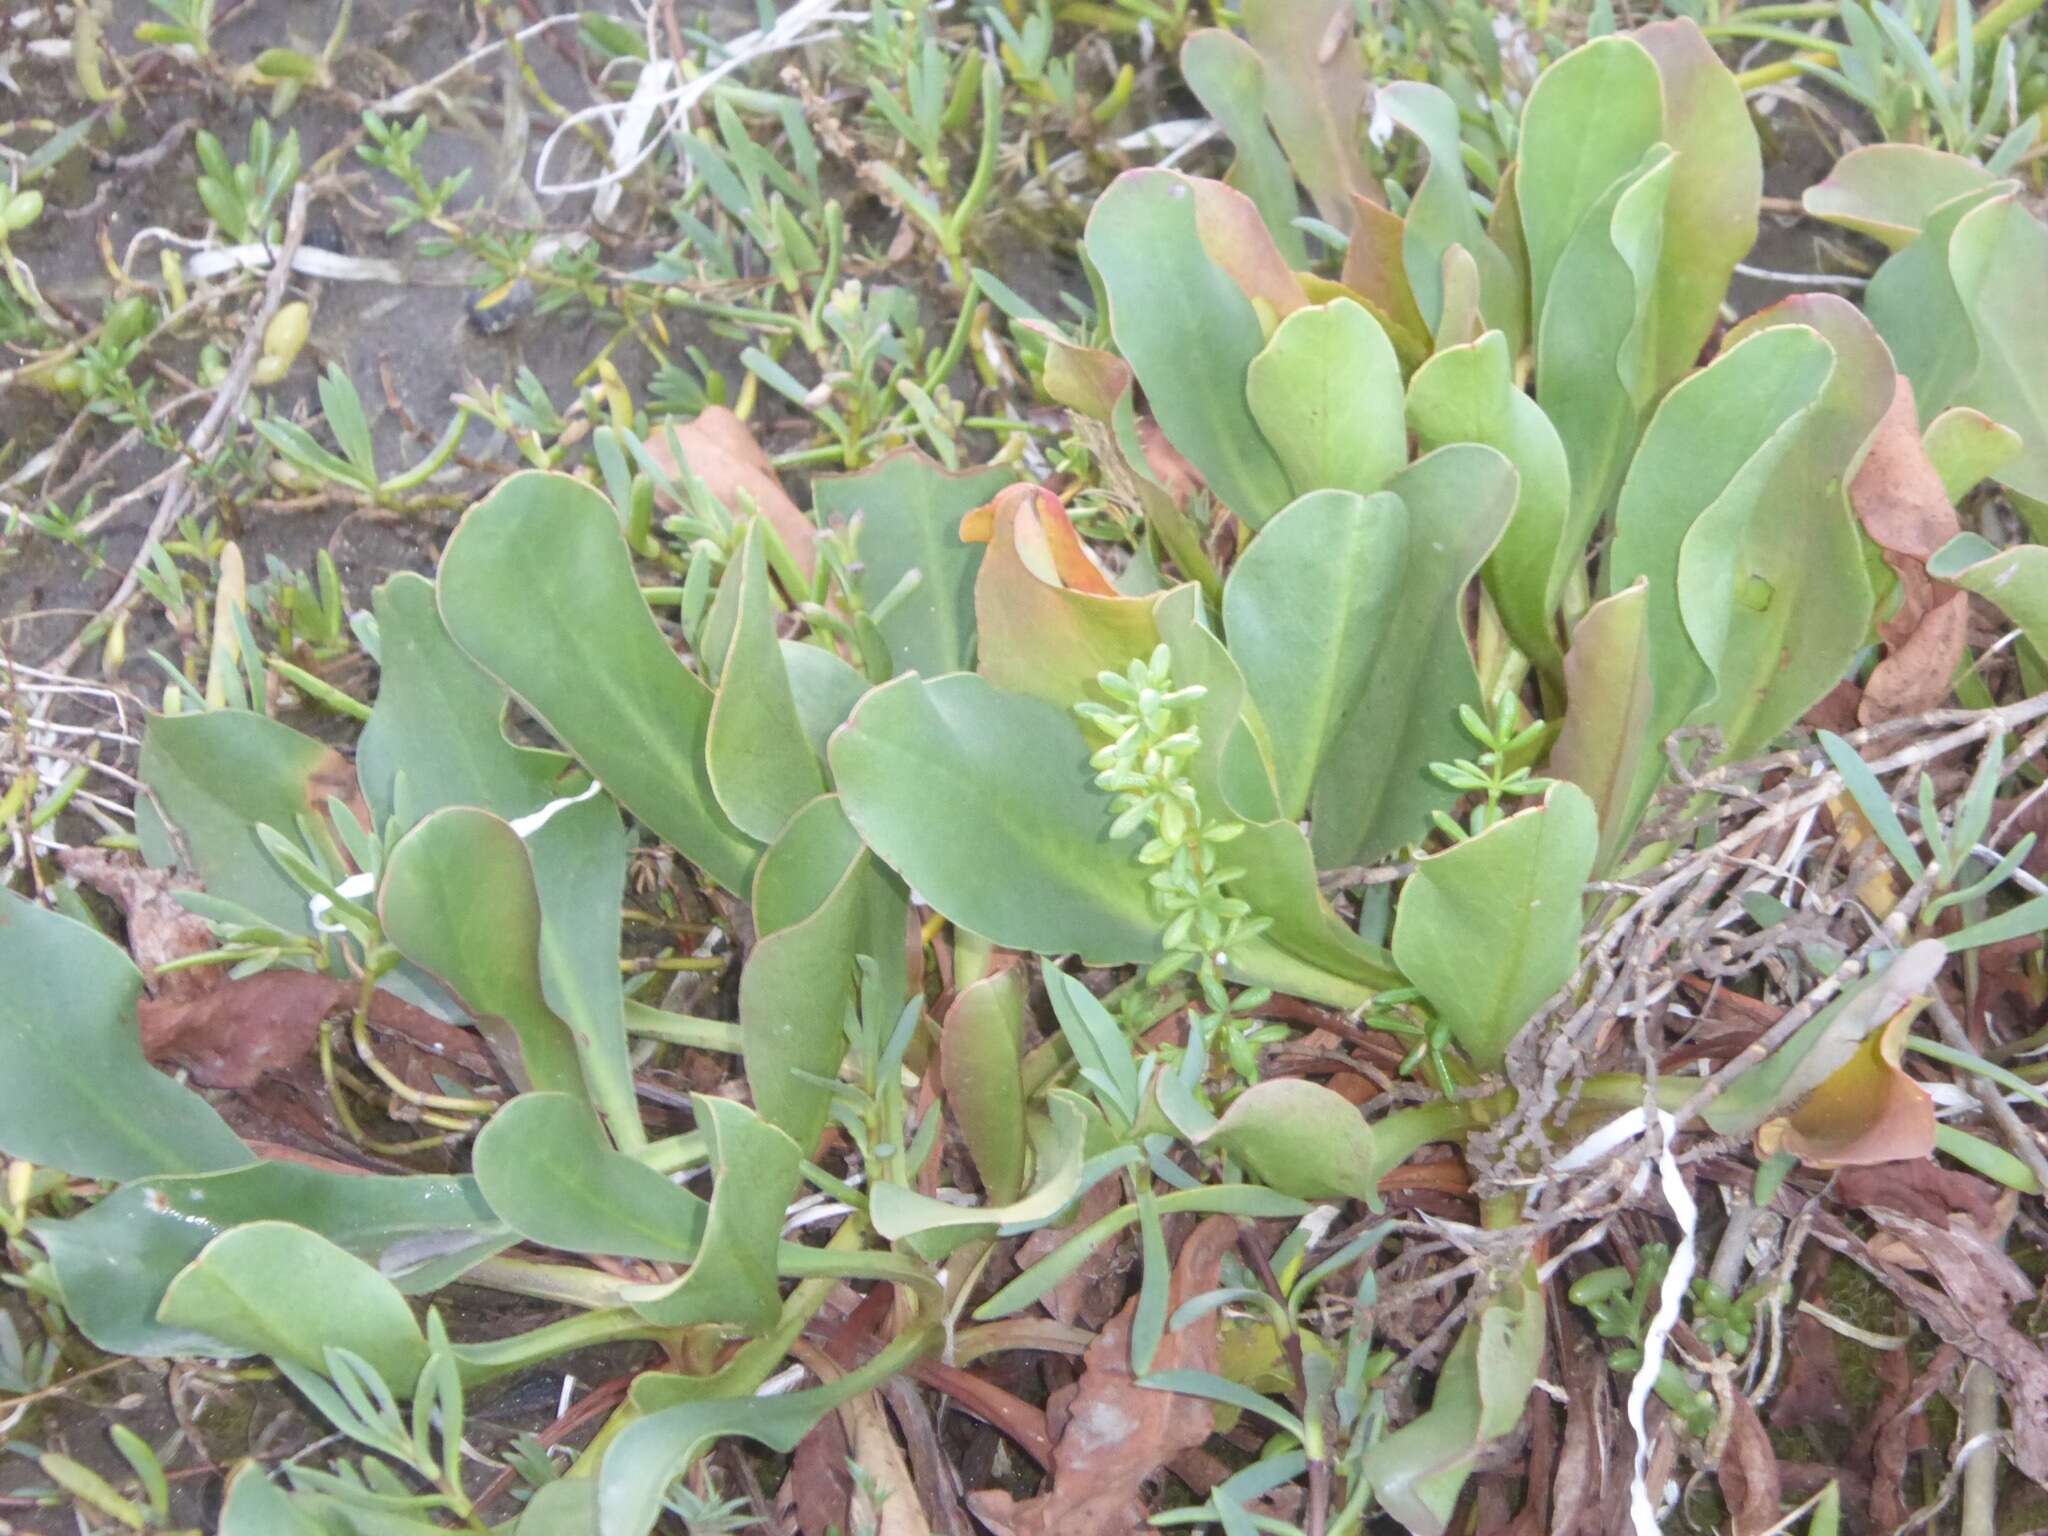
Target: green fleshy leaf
point(1710, 219)
point(1489, 929)
point(1418, 1471)
point(910, 510)
point(217, 777)
point(756, 752)
point(981, 1046)
point(1467, 394)
point(1301, 1139)
point(2015, 579)
point(436, 739)
point(1326, 394)
point(76, 1093)
point(1594, 341)
point(1891, 191)
point(1606, 746)
point(1776, 596)
point(1225, 73)
point(1373, 789)
point(1590, 120)
point(537, 585)
point(1442, 215)
point(1716, 442)
point(544, 1166)
point(1999, 261)
point(754, 1176)
point(458, 901)
point(114, 1261)
point(899, 1213)
point(820, 901)
point(1170, 302)
point(276, 1289)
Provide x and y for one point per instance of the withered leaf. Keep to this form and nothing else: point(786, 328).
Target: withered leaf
point(159, 930)
point(1970, 1308)
point(1899, 497)
point(722, 452)
point(1117, 1432)
point(232, 1034)
point(1750, 1483)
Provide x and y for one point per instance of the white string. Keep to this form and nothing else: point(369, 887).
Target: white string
point(673, 99)
point(1677, 1280)
point(356, 887)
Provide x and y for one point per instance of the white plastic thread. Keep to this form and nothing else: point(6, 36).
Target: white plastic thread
point(1677, 1280)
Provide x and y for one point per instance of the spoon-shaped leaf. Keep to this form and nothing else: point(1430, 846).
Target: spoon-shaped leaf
point(753, 1178)
point(75, 1091)
point(280, 1290)
point(546, 1169)
point(1489, 929)
point(538, 586)
point(457, 899)
point(114, 1261)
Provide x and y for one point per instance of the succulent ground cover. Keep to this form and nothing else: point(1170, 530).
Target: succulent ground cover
point(1053, 769)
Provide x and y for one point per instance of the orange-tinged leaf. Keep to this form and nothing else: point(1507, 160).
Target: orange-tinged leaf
point(1373, 267)
point(1868, 1111)
point(1044, 536)
point(1084, 379)
point(1048, 618)
point(1234, 235)
point(722, 452)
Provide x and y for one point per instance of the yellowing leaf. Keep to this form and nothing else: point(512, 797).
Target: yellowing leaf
point(1867, 1111)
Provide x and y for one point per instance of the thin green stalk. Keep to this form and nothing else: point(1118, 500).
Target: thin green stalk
point(500, 1357)
point(671, 1154)
point(682, 1029)
point(1763, 33)
point(1812, 10)
point(956, 344)
point(955, 229)
point(547, 1282)
point(1991, 26)
point(443, 451)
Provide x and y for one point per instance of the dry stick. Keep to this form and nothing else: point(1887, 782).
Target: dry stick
point(1974, 726)
point(233, 390)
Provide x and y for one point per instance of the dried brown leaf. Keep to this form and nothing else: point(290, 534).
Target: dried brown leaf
point(1589, 1443)
point(892, 1507)
point(1750, 1482)
point(1977, 1285)
point(233, 1034)
point(1088, 1297)
point(1117, 1433)
point(722, 452)
point(1922, 1189)
point(1919, 669)
point(1901, 1429)
point(159, 930)
point(1903, 506)
point(819, 1486)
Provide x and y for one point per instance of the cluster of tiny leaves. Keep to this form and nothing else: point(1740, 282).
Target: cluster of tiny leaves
point(1489, 775)
point(1152, 736)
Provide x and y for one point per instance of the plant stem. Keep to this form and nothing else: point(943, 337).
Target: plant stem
point(1980, 1475)
point(498, 1357)
point(547, 1282)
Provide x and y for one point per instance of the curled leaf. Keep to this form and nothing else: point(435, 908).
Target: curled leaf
point(1867, 1111)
